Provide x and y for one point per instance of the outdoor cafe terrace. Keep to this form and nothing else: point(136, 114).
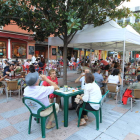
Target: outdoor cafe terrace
point(118, 121)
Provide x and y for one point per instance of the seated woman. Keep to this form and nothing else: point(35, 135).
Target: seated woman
point(53, 78)
point(138, 71)
point(51, 65)
point(128, 68)
point(92, 93)
point(17, 68)
point(114, 78)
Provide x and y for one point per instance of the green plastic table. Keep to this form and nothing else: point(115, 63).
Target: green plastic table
point(66, 102)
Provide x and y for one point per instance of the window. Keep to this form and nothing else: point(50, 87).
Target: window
point(2, 49)
point(19, 50)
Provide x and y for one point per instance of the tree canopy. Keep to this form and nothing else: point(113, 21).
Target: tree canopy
point(62, 18)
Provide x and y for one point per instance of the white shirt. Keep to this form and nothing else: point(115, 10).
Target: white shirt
point(82, 80)
point(4, 65)
point(39, 92)
point(33, 59)
point(113, 79)
point(78, 60)
point(92, 93)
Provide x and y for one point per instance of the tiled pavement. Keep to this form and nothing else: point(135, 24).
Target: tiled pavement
point(119, 123)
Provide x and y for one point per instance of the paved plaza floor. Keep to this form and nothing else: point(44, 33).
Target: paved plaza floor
point(119, 123)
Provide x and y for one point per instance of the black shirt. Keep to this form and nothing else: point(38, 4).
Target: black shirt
point(5, 70)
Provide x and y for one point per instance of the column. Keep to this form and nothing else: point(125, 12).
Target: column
point(9, 48)
point(100, 53)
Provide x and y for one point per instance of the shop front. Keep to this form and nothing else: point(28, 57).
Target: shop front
point(3, 48)
point(18, 50)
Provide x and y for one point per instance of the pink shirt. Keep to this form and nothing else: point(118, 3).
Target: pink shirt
point(26, 64)
point(39, 92)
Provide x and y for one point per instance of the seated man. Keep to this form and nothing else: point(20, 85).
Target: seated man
point(41, 93)
point(135, 85)
point(99, 78)
point(8, 69)
point(40, 64)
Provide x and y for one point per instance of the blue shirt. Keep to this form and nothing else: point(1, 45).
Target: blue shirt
point(5, 70)
point(98, 78)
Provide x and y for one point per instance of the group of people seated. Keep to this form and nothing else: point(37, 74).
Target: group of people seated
point(92, 92)
point(91, 83)
point(13, 66)
point(41, 87)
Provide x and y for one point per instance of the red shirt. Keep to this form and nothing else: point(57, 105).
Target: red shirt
point(104, 62)
point(47, 84)
point(61, 63)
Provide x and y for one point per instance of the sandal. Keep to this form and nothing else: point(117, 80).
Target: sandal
point(86, 118)
point(82, 123)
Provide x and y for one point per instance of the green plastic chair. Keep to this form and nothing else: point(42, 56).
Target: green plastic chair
point(35, 107)
point(96, 113)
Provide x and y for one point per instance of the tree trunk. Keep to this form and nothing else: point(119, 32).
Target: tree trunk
point(65, 62)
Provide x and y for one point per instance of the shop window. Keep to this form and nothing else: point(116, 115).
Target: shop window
point(2, 49)
point(19, 50)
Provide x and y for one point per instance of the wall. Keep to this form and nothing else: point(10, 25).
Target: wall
point(15, 28)
point(30, 43)
point(53, 57)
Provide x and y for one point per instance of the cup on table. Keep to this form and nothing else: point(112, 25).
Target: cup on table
point(72, 90)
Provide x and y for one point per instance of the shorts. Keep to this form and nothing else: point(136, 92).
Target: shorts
point(51, 96)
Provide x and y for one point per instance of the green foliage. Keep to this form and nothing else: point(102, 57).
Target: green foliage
point(136, 25)
point(58, 17)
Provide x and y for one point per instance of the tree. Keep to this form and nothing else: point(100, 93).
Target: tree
point(63, 18)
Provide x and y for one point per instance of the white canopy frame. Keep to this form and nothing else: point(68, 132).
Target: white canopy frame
point(109, 36)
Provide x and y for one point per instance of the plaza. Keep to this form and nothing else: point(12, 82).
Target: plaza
point(119, 123)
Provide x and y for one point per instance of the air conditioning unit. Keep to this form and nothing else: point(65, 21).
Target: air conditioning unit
point(1, 27)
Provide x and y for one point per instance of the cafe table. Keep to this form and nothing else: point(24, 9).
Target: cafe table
point(14, 77)
point(71, 92)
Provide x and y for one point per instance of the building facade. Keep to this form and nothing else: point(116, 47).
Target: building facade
point(18, 43)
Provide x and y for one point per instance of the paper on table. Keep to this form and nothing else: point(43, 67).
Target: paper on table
point(69, 91)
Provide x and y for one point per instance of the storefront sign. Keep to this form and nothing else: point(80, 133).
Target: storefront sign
point(31, 50)
point(53, 51)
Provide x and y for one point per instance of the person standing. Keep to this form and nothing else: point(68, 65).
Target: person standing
point(33, 59)
point(73, 58)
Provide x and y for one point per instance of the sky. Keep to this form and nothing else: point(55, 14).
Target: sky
point(132, 3)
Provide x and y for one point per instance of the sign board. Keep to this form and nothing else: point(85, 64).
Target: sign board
point(31, 50)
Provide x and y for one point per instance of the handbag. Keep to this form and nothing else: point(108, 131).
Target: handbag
point(78, 102)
